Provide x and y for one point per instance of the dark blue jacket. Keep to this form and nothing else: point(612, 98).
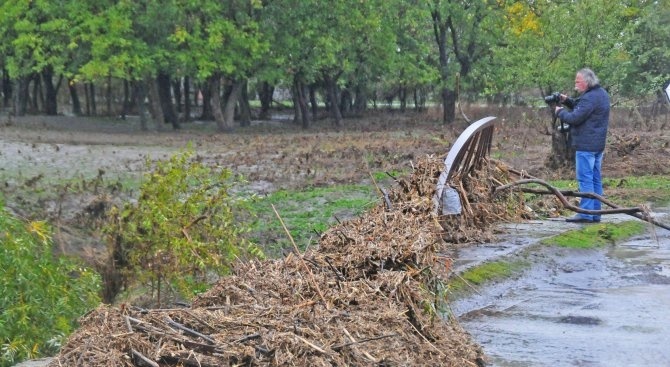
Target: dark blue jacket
point(588, 120)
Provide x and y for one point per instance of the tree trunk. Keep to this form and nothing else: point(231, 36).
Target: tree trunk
point(419, 100)
point(402, 97)
point(265, 95)
point(74, 97)
point(187, 99)
point(140, 97)
point(109, 96)
point(440, 31)
point(331, 87)
point(38, 97)
point(562, 155)
point(230, 103)
point(448, 106)
point(312, 101)
point(21, 97)
point(297, 114)
point(361, 99)
point(389, 100)
point(207, 95)
point(125, 110)
point(299, 90)
point(154, 102)
point(346, 102)
point(91, 105)
point(214, 86)
point(87, 98)
point(176, 91)
point(165, 97)
point(245, 108)
point(6, 88)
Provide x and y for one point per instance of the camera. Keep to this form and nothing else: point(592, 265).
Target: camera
point(563, 128)
point(553, 98)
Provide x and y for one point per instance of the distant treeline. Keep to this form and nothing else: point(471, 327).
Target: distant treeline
point(169, 59)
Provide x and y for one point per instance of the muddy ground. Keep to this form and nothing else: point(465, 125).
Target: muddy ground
point(99, 155)
point(283, 155)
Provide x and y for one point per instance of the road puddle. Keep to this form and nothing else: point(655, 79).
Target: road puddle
point(573, 307)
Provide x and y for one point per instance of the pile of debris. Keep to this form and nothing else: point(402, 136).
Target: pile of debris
point(370, 294)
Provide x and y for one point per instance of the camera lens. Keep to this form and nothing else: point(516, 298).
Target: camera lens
point(549, 99)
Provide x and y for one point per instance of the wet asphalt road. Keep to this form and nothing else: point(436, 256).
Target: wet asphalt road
point(573, 307)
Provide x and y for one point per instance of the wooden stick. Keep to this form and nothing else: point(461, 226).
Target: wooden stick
point(302, 261)
point(337, 273)
point(184, 230)
point(317, 348)
point(248, 337)
point(387, 200)
point(192, 332)
point(426, 339)
point(144, 359)
point(130, 327)
point(381, 191)
point(353, 341)
point(340, 346)
point(468, 283)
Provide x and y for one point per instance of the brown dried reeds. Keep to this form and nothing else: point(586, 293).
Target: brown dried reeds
point(367, 295)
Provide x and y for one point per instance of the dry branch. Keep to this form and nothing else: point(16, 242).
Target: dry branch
point(183, 328)
point(302, 260)
point(144, 359)
point(633, 211)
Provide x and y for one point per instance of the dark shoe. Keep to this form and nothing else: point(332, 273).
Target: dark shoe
point(578, 219)
point(596, 220)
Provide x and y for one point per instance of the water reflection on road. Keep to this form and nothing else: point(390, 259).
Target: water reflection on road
point(602, 307)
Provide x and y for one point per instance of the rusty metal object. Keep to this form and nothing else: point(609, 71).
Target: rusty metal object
point(466, 154)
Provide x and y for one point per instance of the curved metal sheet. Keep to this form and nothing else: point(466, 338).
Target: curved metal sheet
point(466, 153)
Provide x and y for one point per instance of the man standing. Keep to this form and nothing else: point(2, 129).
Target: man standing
point(588, 121)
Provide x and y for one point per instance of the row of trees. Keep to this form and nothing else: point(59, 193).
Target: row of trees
point(350, 52)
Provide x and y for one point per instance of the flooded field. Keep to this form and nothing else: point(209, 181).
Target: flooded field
point(603, 307)
point(573, 307)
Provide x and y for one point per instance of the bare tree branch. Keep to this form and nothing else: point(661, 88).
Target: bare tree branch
point(637, 212)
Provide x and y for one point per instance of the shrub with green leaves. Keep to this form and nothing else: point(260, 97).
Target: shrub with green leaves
point(184, 227)
point(41, 295)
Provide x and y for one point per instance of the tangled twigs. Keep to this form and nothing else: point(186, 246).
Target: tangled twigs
point(635, 212)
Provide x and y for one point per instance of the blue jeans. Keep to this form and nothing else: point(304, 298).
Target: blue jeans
point(587, 167)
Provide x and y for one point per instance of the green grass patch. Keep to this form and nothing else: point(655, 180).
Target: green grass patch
point(639, 182)
point(596, 235)
point(307, 213)
point(632, 191)
point(484, 273)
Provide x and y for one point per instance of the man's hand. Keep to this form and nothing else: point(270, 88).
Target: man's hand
point(557, 110)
